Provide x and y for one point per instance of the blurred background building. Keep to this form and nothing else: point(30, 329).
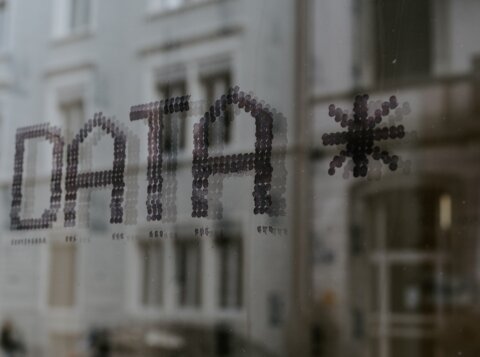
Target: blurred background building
point(380, 266)
point(122, 286)
point(396, 259)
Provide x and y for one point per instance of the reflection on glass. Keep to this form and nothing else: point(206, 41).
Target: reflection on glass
point(412, 288)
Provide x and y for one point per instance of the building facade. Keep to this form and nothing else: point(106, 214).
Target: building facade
point(152, 287)
point(395, 266)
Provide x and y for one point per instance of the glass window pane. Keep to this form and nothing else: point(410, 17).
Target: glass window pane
point(413, 288)
point(214, 87)
point(151, 255)
point(230, 254)
point(80, 14)
point(403, 39)
point(174, 126)
point(188, 272)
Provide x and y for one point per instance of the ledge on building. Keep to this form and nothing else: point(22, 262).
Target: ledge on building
point(154, 13)
point(72, 37)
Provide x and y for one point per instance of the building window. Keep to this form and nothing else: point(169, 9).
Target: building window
point(214, 87)
point(3, 23)
point(62, 275)
point(230, 258)
point(73, 115)
point(174, 126)
point(152, 268)
point(403, 39)
point(80, 14)
point(407, 233)
point(188, 272)
point(72, 17)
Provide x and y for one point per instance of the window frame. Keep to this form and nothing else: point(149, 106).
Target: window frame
point(147, 245)
point(176, 120)
point(222, 243)
point(364, 71)
point(182, 302)
point(62, 27)
point(379, 330)
point(385, 75)
point(76, 284)
point(226, 131)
